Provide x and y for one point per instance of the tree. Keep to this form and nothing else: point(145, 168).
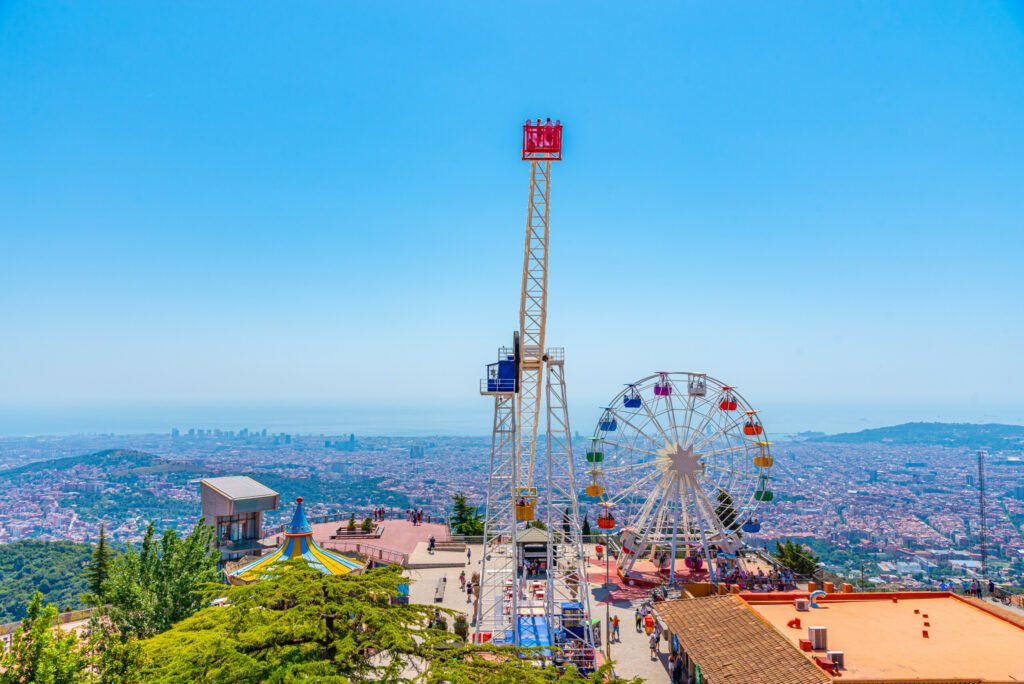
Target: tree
point(151, 588)
point(465, 519)
point(565, 522)
point(726, 511)
point(98, 571)
point(298, 624)
point(585, 531)
point(367, 525)
point(539, 524)
point(40, 654)
point(795, 557)
point(351, 527)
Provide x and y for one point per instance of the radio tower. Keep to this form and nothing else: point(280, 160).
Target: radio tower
point(981, 510)
point(549, 606)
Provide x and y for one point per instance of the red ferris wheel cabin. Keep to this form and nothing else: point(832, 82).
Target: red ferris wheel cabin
point(542, 140)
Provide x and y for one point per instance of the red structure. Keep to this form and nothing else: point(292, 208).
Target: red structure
point(542, 140)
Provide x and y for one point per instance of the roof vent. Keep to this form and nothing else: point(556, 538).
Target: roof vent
point(802, 605)
point(818, 637)
point(838, 659)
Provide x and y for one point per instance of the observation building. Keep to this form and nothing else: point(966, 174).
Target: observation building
point(234, 506)
point(298, 543)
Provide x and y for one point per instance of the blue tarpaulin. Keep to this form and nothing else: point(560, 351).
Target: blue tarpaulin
point(533, 631)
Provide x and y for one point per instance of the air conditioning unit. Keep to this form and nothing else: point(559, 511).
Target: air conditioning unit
point(838, 659)
point(818, 636)
point(802, 605)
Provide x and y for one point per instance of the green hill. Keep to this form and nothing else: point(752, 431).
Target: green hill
point(117, 460)
point(992, 436)
point(54, 568)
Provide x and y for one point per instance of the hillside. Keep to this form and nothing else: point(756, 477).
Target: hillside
point(992, 436)
point(54, 568)
point(116, 460)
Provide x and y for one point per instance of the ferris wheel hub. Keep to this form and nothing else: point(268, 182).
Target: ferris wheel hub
point(684, 460)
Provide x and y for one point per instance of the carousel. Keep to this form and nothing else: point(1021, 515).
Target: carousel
point(298, 544)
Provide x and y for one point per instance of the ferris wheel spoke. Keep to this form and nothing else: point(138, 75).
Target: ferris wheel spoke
point(671, 414)
point(725, 470)
point(705, 419)
point(720, 432)
point(653, 515)
point(681, 493)
point(630, 447)
point(633, 488)
point(657, 424)
point(630, 467)
point(726, 450)
point(711, 516)
point(691, 405)
point(625, 420)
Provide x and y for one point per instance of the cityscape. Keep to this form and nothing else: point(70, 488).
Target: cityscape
point(904, 515)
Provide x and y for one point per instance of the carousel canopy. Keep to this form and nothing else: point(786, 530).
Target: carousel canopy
point(298, 543)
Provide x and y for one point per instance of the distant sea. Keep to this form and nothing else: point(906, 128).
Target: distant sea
point(441, 418)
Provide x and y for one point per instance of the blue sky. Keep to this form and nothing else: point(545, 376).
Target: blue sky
point(232, 205)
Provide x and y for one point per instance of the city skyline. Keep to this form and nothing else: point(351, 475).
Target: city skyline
point(815, 203)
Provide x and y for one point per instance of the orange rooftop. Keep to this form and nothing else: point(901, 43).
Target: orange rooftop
point(876, 638)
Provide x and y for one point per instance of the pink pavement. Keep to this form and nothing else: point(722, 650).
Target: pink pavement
point(398, 535)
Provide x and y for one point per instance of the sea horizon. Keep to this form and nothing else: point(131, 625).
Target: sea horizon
point(457, 420)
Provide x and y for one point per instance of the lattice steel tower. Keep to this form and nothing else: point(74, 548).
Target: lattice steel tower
point(529, 379)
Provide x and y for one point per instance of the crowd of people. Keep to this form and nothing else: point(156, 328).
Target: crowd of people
point(776, 580)
point(972, 588)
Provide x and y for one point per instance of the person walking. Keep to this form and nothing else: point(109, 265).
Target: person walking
point(673, 668)
point(639, 620)
point(616, 636)
point(462, 580)
point(469, 555)
point(654, 646)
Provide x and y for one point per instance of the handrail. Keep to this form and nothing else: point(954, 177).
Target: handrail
point(367, 550)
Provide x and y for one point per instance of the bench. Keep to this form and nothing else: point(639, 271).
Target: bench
point(439, 589)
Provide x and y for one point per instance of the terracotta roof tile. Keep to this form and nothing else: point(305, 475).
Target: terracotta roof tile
point(733, 645)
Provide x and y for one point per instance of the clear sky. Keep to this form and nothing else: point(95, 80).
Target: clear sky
point(321, 204)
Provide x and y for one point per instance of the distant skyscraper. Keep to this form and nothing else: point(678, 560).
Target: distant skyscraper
point(175, 433)
point(416, 451)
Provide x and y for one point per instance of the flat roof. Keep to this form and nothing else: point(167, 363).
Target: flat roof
point(733, 645)
point(238, 487)
point(882, 641)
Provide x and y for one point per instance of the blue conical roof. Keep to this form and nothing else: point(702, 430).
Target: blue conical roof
point(300, 525)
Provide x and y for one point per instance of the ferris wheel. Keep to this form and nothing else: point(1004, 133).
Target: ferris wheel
point(682, 460)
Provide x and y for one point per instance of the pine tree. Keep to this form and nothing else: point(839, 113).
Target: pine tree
point(98, 571)
point(795, 557)
point(586, 527)
point(726, 510)
point(465, 519)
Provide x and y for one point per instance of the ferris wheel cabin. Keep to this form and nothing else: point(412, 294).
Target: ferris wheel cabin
point(542, 140)
point(697, 386)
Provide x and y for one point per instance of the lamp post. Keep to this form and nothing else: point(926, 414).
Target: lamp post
point(608, 598)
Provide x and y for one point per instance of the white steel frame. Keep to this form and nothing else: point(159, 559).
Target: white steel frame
point(514, 453)
point(667, 461)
